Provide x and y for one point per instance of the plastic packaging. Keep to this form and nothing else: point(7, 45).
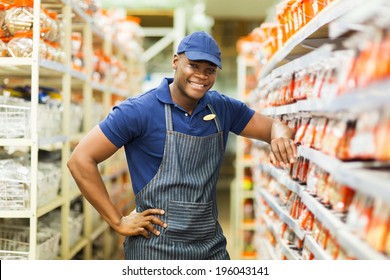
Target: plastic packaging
point(19, 18)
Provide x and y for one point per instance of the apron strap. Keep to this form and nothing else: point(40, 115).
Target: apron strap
point(168, 117)
point(217, 123)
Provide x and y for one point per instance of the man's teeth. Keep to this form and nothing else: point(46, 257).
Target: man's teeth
point(197, 85)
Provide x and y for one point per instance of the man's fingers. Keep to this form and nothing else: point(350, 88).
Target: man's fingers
point(291, 151)
point(272, 158)
point(148, 220)
point(154, 211)
point(275, 150)
point(144, 232)
point(284, 150)
point(150, 227)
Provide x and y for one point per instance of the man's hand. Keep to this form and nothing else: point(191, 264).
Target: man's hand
point(283, 151)
point(141, 223)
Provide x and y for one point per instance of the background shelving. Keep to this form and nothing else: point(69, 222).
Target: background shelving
point(311, 210)
point(242, 194)
point(76, 228)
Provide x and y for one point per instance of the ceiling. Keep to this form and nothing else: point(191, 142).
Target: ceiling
point(240, 9)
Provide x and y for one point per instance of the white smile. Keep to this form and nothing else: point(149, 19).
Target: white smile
point(200, 86)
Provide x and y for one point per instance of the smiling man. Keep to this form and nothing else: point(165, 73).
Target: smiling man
point(174, 138)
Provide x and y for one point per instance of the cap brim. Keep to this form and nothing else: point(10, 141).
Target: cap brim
point(204, 56)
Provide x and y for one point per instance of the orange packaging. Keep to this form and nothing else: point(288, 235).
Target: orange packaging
point(320, 131)
point(378, 230)
point(307, 220)
point(382, 134)
point(283, 23)
point(333, 247)
point(387, 239)
point(302, 128)
point(307, 10)
point(340, 196)
point(302, 176)
point(308, 139)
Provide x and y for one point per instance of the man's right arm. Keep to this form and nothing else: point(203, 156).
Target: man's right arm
point(94, 148)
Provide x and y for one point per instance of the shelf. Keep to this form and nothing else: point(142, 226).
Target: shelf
point(336, 227)
point(270, 226)
point(288, 252)
point(354, 174)
point(324, 215)
point(266, 246)
point(305, 61)
point(16, 213)
point(248, 226)
point(79, 245)
point(315, 249)
point(355, 18)
point(312, 30)
point(357, 247)
point(104, 88)
point(52, 68)
point(73, 85)
point(16, 142)
point(358, 100)
point(74, 194)
point(19, 66)
point(53, 142)
point(283, 215)
point(283, 178)
point(78, 75)
point(371, 178)
point(81, 16)
point(248, 194)
point(97, 232)
point(55, 203)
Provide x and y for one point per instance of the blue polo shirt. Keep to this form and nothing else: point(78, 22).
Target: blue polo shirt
point(138, 124)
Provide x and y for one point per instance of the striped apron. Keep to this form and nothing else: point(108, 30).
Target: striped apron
point(184, 186)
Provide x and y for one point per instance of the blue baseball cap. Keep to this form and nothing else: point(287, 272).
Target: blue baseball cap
point(200, 46)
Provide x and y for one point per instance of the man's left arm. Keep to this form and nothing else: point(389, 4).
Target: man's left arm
point(278, 135)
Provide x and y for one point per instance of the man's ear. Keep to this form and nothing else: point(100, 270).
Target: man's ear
point(175, 61)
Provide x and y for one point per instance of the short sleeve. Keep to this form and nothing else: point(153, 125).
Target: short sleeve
point(122, 124)
point(237, 112)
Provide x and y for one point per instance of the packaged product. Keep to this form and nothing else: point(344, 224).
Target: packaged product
point(362, 144)
point(306, 220)
point(382, 134)
point(302, 128)
point(340, 196)
point(310, 133)
point(320, 129)
point(333, 247)
point(360, 213)
point(378, 231)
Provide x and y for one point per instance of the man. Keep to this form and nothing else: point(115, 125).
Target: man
point(174, 137)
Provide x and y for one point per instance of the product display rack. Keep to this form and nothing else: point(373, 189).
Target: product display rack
point(72, 84)
point(242, 194)
point(275, 188)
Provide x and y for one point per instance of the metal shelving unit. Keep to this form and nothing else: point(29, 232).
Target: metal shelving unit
point(337, 18)
point(37, 72)
point(238, 192)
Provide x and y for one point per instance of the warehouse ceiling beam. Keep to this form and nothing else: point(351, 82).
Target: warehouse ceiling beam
point(159, 46)
point(169, 35)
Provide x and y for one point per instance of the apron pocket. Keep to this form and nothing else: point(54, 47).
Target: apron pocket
point(190, 221)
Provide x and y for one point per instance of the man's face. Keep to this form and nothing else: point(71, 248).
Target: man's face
point(193, 78)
